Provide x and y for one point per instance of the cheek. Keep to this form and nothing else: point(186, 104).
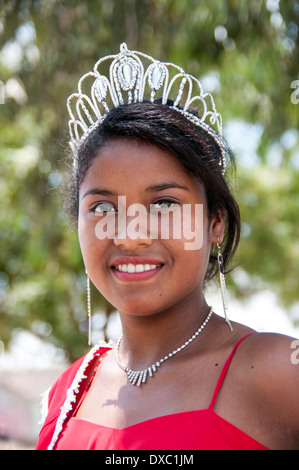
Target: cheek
point(188, 223)
point(91, 246)
point(84, 237)
point(195, 246)
point(195, 230)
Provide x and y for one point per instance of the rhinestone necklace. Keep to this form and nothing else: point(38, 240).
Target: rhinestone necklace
point(137, 377)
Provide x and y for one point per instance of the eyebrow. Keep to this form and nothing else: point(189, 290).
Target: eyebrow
point(164, 186)
point(150, 189)
point(102, 192)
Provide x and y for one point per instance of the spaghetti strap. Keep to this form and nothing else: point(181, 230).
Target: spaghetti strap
point(225, 369)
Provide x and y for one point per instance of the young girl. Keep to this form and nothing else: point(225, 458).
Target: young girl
point(180, 376)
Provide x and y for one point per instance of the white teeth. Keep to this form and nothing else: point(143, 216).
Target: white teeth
point(135, 268)
point(139, 268)
point(131, 268)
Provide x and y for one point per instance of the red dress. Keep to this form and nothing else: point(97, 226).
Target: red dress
point(188, 430)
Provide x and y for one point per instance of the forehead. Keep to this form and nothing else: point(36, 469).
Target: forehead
point(136, 153)
point(136, 162)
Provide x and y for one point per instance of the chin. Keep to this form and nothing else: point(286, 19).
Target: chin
point(140, 309)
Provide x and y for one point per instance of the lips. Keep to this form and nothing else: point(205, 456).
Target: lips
point(133, 269)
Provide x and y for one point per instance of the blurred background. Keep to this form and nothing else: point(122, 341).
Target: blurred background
point(247, 54)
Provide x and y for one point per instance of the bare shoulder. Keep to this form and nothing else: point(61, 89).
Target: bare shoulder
point(275, 353)
point(274, 382)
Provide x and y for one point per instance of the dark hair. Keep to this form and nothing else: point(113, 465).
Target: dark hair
point(194, 147)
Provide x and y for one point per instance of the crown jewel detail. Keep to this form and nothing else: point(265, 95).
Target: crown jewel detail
point(130, 82)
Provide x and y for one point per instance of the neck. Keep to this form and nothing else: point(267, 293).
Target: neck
point(146, 339)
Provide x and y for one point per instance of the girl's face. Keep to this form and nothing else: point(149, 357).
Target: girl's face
point(139, 267)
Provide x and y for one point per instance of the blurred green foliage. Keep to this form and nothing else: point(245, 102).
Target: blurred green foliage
point(249, 51)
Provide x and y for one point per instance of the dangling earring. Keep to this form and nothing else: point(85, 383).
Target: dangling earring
point(223, 286)
point(88, 309)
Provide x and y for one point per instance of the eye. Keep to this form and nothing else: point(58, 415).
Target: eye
point(164, 204)
point(102, 208)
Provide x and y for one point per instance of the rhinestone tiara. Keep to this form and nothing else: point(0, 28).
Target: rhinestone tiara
point(129, 80)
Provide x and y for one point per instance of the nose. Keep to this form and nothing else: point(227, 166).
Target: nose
point(132, 244)
point(133, 231)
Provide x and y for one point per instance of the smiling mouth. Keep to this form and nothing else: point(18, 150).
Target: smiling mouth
point(131, 272)
point(136, 268)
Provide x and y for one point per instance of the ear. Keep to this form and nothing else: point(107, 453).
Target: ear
point(217, 227)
